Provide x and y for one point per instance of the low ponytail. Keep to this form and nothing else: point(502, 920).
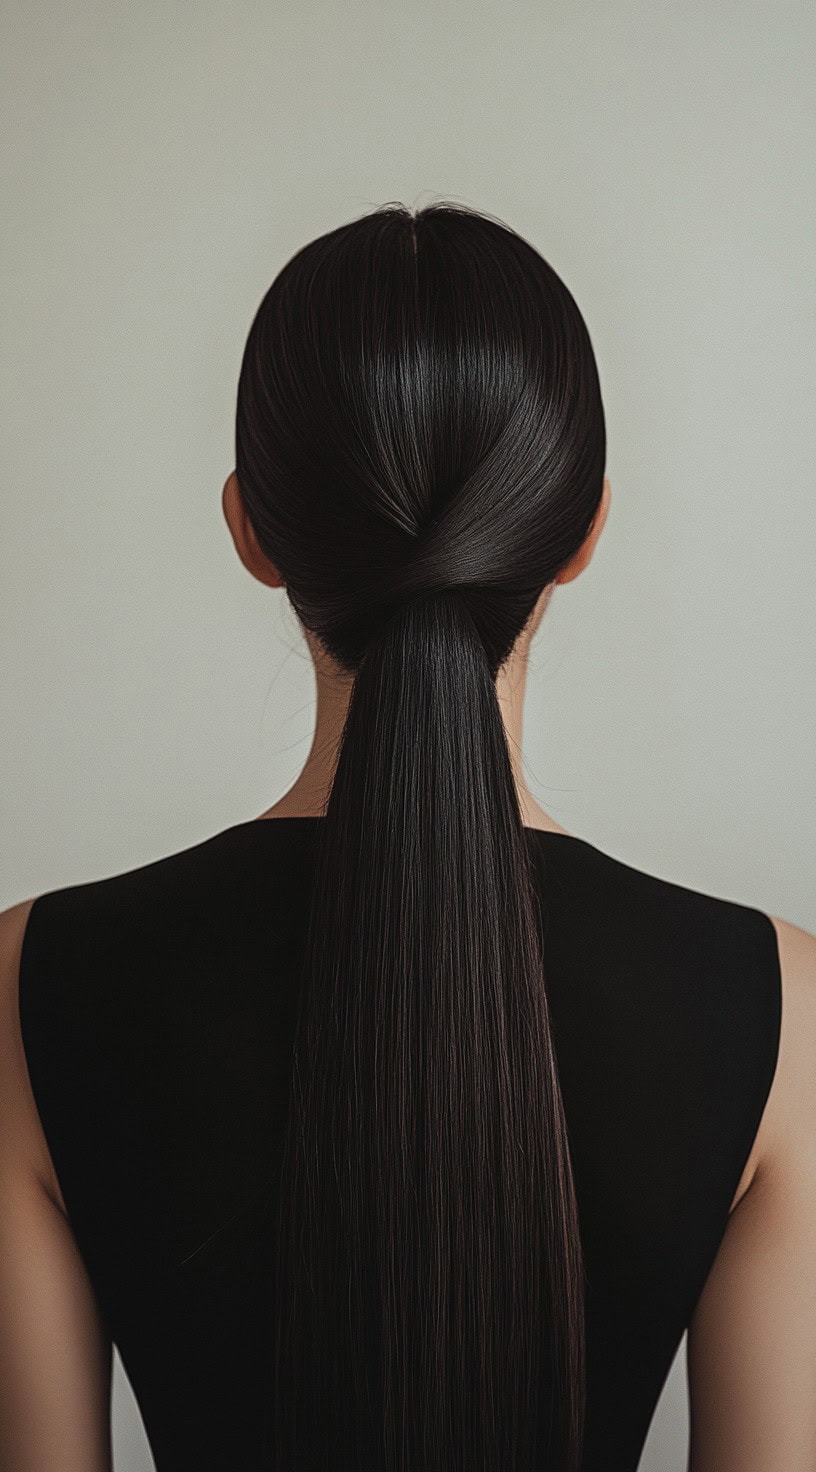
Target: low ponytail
point(428, 1218)
point(420, 448)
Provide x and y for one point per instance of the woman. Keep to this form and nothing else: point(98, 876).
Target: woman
point(401, 1128)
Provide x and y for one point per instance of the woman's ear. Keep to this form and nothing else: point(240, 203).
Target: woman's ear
point(243, 535)
point(579, 560)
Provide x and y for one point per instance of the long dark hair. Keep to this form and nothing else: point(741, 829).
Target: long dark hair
point(420, 445)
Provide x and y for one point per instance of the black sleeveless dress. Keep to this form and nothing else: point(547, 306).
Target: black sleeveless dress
point(157, 1010)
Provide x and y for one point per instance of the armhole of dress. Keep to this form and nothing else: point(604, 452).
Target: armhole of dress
point(32, 1021)
point(776, 1003)
point(769, 1013)
point(754, 1063)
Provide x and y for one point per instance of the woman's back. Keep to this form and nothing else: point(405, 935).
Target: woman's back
point(157, 1010)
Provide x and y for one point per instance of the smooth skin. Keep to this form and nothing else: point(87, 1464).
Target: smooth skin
point(752, 1339)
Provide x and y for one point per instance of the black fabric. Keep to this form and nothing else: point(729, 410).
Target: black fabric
point(157, 1010)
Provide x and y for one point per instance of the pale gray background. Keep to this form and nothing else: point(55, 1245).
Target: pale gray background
point(161, 162)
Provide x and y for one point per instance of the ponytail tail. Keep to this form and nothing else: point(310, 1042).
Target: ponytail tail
point(430, 1303)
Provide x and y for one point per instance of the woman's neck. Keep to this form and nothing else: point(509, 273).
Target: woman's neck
point(308, 795)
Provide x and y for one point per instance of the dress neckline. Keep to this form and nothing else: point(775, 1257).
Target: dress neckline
point(318, 818)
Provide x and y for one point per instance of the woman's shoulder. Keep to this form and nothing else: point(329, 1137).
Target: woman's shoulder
point(59, 942)
point(644, 900)
point(723, 985)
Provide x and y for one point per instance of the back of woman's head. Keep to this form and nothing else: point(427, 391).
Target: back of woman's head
point(420, 446)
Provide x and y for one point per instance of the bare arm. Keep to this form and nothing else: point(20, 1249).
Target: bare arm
point(55, 1357)
point(751, 1347)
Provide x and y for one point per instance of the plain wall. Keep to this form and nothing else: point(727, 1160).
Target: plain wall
point(161, 162)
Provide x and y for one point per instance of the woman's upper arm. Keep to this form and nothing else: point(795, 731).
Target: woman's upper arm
point(751, 1346)
point(55, 1355)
